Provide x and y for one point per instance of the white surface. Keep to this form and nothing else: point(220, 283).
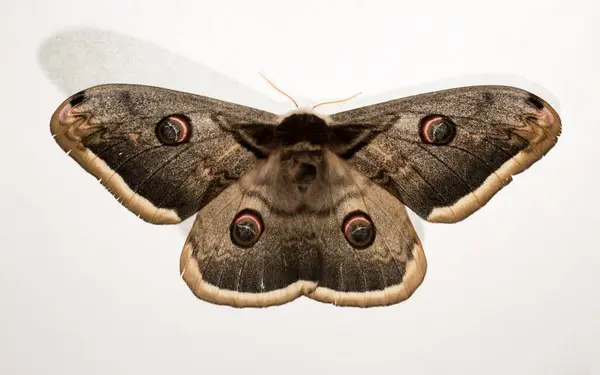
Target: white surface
point(87, 288)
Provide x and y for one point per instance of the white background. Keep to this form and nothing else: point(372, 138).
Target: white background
point(87, 288)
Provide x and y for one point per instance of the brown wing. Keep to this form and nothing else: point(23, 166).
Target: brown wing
point(118, 134)
point(385, 272)
point(302, 250)
point(445, 154)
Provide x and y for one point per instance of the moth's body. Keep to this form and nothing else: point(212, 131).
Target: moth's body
point(299, 161)
point(304, 204)
point(298, 165)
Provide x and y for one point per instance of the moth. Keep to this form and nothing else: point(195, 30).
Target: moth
point(304, 203)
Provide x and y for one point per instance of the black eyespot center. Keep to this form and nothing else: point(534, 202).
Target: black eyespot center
point(173, 130)
point(246, 228)
point(437, 130)
point(358, 229)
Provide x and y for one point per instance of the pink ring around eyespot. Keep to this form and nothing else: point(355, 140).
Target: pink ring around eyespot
point(251, 217)
point(427, 125)
point(184, 126)
point(353, 219)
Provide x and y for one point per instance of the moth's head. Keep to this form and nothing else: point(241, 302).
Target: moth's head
point(302, 130)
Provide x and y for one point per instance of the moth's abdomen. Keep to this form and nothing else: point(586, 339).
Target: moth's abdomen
point(300, 170)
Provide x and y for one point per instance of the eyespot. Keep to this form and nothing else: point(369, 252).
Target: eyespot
point(173, 130)
point(437, 130)
point(246, 228)
point(359, 230)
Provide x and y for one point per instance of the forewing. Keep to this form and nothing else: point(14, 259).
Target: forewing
point(111, 131)
point(499, 131)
